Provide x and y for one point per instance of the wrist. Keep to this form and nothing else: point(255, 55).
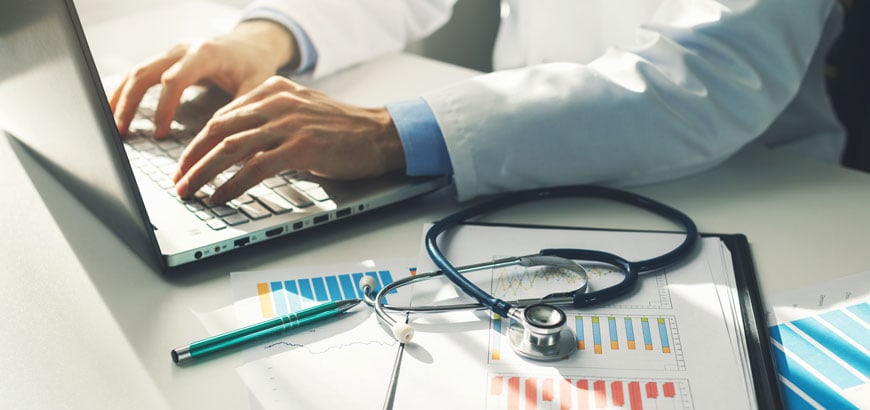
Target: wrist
point(280, 43)
point(389, 143)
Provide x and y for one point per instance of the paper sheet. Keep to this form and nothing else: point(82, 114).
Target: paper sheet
point(821, 343)
point(672, 343)
point(667, 345)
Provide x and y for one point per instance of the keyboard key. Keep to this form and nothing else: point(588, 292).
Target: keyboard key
point(274, 182)
point(194, 206)
point(222, 210)
point(293, 196)
point(304, 185)
point(203, 215)
point(275, 203)
point(319, 194)
point(255, 211)
point(216, 224)
point(235, 219)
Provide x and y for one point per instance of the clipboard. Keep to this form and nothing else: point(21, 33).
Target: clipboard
point(758, 347)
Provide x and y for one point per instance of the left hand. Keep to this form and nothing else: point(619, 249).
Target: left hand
point(281, 125)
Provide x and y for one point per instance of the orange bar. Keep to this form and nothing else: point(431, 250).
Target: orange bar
point(531, 393)
point(600, 394)
point(581, 345)
point(666, 349)
point(614, 345)
point(547, 390)
point(565, 390)
point(514, 393)
point(631, 345)
point(265, 300)
point(597, 349)
point(497, 386)
point(582, 394)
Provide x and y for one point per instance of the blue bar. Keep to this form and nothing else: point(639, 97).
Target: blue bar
point(347, 286)
point(278, 299)
point(611, 322)
point(496, 325)
point(629, 330)
point(596, 333)
point(814, 357)
point(861, 310)
point(386, 279)
point(849, 327)
point(334, 290)
point(293, 296)
point(663, 332)
point(319, 290)
point(792, 400)
point(356, 278)
point(305, 289)
point(837, 345)
point(647, 337)
point(579, 325)
point(806, 382)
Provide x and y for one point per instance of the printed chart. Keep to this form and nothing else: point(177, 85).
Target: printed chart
point(514, 392)
point(824, 360)
point(631, 342)
point(285, 296)
point(518, 282)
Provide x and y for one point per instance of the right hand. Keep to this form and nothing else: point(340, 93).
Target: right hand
point(236, 62)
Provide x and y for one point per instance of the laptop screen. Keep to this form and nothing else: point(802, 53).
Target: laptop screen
point(51, 100)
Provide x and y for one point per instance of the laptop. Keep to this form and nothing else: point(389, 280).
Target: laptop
point(52, 100)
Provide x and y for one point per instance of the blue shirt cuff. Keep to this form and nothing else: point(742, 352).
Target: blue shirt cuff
point(307, 52)
point(425, 150)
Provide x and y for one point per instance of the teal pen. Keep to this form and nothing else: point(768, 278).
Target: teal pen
point(260, 330)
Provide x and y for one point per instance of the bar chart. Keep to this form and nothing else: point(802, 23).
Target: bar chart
point(613, 341)
point(824, 360)
point(516, 392)
point(281, 297)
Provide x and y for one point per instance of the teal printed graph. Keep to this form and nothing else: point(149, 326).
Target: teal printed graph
point(824, 360)
point(283, 297)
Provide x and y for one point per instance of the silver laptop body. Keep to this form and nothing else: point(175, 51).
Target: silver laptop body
point(52, 100)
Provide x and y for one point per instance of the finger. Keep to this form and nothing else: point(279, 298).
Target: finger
point(137, 84)
point(228, 152)
point(216, 130)
point(266, 89)
point(188, 71)
point(259, 167)
point(116, 94)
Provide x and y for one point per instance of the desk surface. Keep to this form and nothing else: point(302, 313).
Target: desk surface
point(88, 325)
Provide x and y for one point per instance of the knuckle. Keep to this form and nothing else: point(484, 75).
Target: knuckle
point(231, 145)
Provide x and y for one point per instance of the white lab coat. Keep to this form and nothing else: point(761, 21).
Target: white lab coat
point(609, 92)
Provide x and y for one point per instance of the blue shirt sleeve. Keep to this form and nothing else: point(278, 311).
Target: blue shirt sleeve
point(425, 150)
point(307, 52)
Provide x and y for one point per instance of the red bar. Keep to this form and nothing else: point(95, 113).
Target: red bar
point(547, 390)
point(668, 389)
point(514, 393)
point(565, 394)
point(652, 390)
point(617, 394)
point(635, 402)
point(600, 394)
point(582, 394)
point(497, 386)
point(531, 393)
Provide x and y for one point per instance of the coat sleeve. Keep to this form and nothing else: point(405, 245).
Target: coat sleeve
point(706, 78)
point(345, 32)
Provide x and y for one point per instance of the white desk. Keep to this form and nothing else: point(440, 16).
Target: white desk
point(87, 325)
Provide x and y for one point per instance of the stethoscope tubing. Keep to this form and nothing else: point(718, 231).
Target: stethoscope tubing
point(633, 269)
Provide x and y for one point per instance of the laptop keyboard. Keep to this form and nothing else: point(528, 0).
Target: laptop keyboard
point(158, 160)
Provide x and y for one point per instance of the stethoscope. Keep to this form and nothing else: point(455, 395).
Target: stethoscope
point(537, 329)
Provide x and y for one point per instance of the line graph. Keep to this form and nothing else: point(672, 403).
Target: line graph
point(519, 282)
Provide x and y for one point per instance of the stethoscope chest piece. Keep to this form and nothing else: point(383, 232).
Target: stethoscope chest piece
point(543, 336)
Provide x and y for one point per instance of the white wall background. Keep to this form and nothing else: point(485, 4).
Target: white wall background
point(466, 40)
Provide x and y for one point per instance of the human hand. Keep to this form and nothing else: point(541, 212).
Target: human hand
point(281, 125)
point(236, 62)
